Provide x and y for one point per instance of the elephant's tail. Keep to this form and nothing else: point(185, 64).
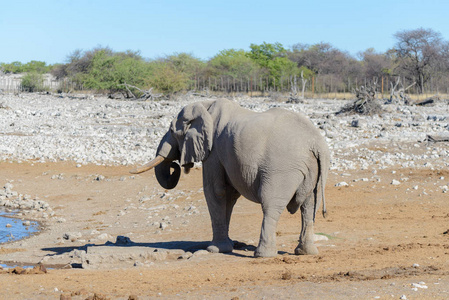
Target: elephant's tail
point(323, 158)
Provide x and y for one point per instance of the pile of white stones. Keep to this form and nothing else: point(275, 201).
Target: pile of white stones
point(88, 129)
point(12, 200)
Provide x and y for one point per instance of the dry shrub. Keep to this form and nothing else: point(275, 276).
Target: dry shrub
point(365, 104)
point(362, 107)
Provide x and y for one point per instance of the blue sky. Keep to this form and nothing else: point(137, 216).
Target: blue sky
point(50, 30)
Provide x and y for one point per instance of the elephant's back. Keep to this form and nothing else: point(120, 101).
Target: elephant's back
point(291, 126)
point(274, 132)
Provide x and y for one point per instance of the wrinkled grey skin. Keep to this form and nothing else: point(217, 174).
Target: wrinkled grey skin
point(276, 158)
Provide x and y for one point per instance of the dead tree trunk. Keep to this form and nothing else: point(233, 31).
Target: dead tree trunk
point(304, 81)
point(294, 97)
point(399, 96)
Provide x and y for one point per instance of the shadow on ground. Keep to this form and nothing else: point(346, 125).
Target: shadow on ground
point(122, 241)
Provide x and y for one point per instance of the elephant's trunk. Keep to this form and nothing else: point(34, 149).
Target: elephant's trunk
point(167, 171)
point(167, 174)
point(158, 160)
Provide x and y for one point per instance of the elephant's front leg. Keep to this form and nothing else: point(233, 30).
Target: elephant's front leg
point(220, 209)
point(306, 245)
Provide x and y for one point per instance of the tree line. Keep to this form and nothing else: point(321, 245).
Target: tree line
point(419, 57)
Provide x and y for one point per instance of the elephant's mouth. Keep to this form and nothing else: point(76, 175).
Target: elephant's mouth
point(187, 167)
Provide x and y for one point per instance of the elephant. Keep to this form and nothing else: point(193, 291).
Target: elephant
point(277, 158)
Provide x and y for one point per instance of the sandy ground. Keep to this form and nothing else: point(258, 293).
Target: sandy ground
point(385, 241)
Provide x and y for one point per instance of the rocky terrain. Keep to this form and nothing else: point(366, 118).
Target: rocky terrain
point(95, 130)
point(64, 161)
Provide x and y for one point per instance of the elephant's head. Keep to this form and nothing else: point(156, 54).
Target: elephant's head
point(188, 140)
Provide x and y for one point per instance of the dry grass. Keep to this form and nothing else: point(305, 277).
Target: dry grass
point(337, 96)
point(10, 250)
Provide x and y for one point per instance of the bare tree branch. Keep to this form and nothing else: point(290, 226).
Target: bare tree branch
point(146, 95)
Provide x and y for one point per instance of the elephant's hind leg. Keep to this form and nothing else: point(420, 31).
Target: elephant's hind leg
point(275, 194)
point(306, 245)
point(267, 243)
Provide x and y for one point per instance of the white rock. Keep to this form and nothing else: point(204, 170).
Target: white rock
point(343, 183)
point(395, 182)
point(71, 235)
point(8, 186)
point(418, 285)
point(163, 225)
point(103, 236)
point(201, 253)
point(320, 237)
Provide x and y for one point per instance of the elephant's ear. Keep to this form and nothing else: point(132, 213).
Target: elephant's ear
point(198, 126)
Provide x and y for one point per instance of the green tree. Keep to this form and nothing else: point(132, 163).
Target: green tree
point(306, 72)
point(166, 78)
point(32, 82)
point(12, 68)
point(101, 74)
point(234, 63)
point(36, 66)
point(102, 69)
point(17, 67)
point(273, 58)
point(186, 63)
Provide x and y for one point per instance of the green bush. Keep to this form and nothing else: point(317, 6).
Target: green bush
point(165, 78)
point(273, 58)
point(233, 63)
point(17, 67)
point(104, 70)
point(32, 82)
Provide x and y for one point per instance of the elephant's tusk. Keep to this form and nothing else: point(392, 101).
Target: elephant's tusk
point(148, 166)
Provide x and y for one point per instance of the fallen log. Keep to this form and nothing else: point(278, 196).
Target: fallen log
point(437, 137)
point(145, 95)
point(431, 100)
point(425, 102)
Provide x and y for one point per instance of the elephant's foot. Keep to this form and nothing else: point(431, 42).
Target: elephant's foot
point(263, 251)
point(306, 249)
point(221, 247)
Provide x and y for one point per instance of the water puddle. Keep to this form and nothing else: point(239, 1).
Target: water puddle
point(13, 229)
point(5, 266)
